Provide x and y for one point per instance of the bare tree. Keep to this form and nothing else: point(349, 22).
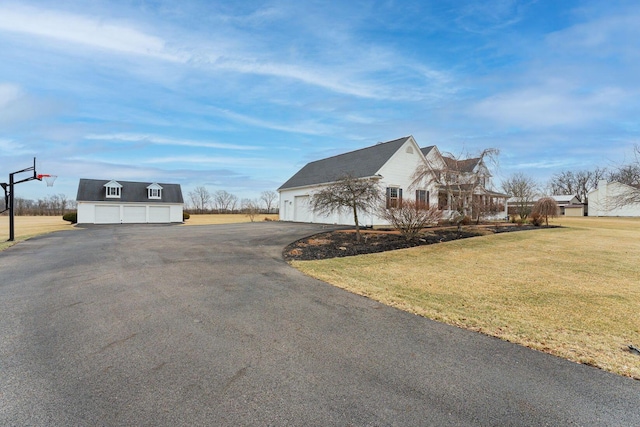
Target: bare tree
point(579, 183)
point(546, 207)
point(224, 201)
point(200, 198)
point(628, 174)
point(268, 197)
point(524, 190)
point(250, 208)
point(348, 193)
point(411, 217)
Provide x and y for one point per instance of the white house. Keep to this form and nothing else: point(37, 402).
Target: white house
point(120, 202)
point(605, 200)
point(393, 165)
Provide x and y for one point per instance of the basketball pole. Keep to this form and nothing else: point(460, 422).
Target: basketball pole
point(8, 194)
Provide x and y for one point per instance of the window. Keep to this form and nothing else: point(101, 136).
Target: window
point(154, 191)
point(113, 192)
point(422, 198)
point(113, 189)
point(394, 197)
point(409, 150)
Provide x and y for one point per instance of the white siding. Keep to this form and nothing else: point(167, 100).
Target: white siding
point(602, 201)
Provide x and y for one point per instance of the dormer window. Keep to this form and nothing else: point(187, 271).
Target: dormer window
point(113, 189)
point(154, 191)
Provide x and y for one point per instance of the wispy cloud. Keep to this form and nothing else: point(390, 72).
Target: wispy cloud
point(160, 140)
point(12, 148)
point(490, 15)
point(306, 127)
point(83, 30)
point(352, 71)
point(211, 160)
point(550, 106)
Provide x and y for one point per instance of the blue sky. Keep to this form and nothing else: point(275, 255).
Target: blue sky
point(237, 96)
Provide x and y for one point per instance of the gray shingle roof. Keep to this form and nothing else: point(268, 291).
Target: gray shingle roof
point(359, 164)
point(93, 190)
point(427, 150)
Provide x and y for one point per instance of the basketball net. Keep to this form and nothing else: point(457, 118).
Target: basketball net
point(49, 179)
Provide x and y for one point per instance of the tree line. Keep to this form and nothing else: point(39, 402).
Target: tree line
point(573, 182)
point(200, 201)
point(57, 204)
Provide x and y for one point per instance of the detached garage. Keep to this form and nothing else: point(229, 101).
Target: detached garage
point(127, 202)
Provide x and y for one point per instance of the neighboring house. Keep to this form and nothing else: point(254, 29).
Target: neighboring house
point(605, 200)
point(392, 164)
point(571, 202)
point(119, 202)
point(566, 200)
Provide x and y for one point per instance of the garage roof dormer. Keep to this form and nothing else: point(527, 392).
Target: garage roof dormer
point(113, 189)
point(154, 191)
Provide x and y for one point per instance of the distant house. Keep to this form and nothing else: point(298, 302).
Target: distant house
point(392, 164)
point(569, 204)
point(120, 202)
point(605, 200)
point(565, 200)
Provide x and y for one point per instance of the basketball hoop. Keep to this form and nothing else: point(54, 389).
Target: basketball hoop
point(49, 179)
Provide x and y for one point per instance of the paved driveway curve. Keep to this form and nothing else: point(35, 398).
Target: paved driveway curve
point(199, 326)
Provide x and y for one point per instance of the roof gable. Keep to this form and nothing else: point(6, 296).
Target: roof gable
point(113, 183)
point(466, 165)
point(92, 190)
point(565, 198)
point(361, 163)
point(427, 150)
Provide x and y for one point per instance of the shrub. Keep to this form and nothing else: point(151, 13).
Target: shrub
point(536, 219)
point(72, 217)
point(466, 220)
point(411, 217)
point(185, 216)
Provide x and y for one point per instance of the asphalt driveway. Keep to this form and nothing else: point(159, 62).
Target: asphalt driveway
point(207, 326)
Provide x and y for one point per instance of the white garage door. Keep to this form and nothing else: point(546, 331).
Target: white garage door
point(159, 214)
point(301, 209)
point(107, 214)
point(134, 214)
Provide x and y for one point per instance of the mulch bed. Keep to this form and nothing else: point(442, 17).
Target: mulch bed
point(342, 243)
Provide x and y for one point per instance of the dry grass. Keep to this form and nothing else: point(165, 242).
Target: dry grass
point(30, 226)
point(573, 292)
point(211, 219)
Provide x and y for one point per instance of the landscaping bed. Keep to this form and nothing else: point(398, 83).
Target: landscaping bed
point(342, 243)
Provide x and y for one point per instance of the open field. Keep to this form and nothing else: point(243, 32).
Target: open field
point(209, 219)
point(30, 226)
point(573, 292)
